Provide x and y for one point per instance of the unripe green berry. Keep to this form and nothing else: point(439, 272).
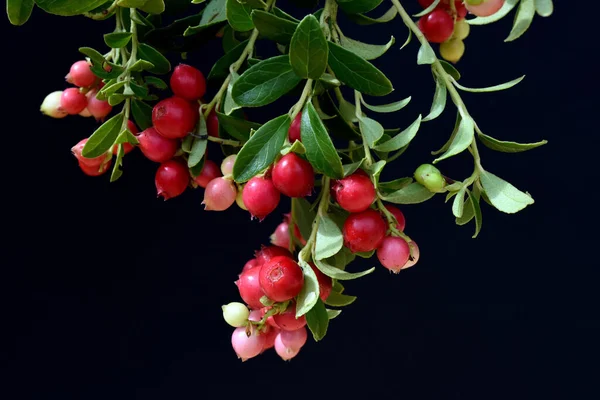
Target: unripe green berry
point(452, 50)
point(240, 201)
point(430, 177)
point(474, 2)
point(461, 30)
point(236, 314)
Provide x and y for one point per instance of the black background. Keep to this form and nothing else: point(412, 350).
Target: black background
point(113, 293)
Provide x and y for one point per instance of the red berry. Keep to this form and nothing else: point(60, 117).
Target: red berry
point(364, 231)
point(127, 147)
point(401, 224)
point(437, 26)
point(188, 82)
point(249, 287)
point(210, 171)
point(281, 236)
point(219, 195)
point(72, 101)
point(250, 264)
point(81, 74)
point(287, 320)
point(486, 8)
point(89, 162)
point(132, 128)
point(281, 278)
point(212, 124)
point(173, 117)
point(260, 197)
point(393, 253)
point(156, 147)
point(95, 170)
point(293, 176)
point(354, 193)
point(325, 282)
point(98, 108)
point(172, 178)
point(294, 131)
point(266, 253)
point(270, 334)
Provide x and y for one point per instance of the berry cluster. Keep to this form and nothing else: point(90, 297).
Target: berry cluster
point(446, 23)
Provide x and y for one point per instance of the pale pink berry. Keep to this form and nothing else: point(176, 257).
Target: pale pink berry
point(415, 255)
point(294, 339)
point(284, 351)
point(227, 164)
point(219, 194)
point(98, 108)
point(51, 105)
point(246, 346)
point(270, 335)
point(393, 253)
point(281, 236)
point(81, 74)
point(85, 113)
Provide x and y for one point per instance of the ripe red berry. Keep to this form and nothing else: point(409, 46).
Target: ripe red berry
point(294, 131)
point(132, 128)
point(364, 231)
point(89, 162)
point(287, 320)
point(281, 278)
point(461, 10)
point(437, 26)
point(172, 178)
point(354, 193)
point(249, 287)
point(250, 264)
point(173, 117)
point(188, 82)
point(95, 170)
point(266, 253)
point(212, 124)
point(156, 147)
point(72, 101)
point(281, 236)
point(210, 171)
point(270, 335)
point(219, 195)
point(98, 108)
point(325, 282)
point(81, 74)
point(393, 253)
point(260, 197)
point(401, 224)
point(293, 176)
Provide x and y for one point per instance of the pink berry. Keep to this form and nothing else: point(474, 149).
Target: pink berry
point(486, 8)
point(294, 131)
point(127, 147)
point(415, 255)
point(393, 253)
point(401, 224)
point(437, 26)
point(51, 105)
point(364, 231)
point(227, 164)
point(270, 334)
point(89, 162)
point(293, 176)
point(249, 287)
point(260, 197)
point(210, 171)
point(156, 147)
point(250, 264)
point(246, 346)
point(267, 253)
point(281, 278)
point(287, 320)
point(95, 170)
point(281, 236)
point(98, 108)
point(295, 339)
point(172, 178)
point(219, 195)
point(81, 74)
point(174, 117)
point(354, 193)
point(72, 101)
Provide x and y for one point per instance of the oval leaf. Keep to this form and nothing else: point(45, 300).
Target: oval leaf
point(142, 114)
point(238, 15)
point(402, 139)
point(68, 8)
point(522, 20)
point(339, 300)
point(365, 50)
point(199, 145)
point(320, 150)
point(504, 196)
point(265, 82)
point(337, 273)
point(463, 139)
point(439, 99)
point(303, 215)
point(361, 19)
point(117, 40)
point(387, 108)
point(508, 147)
point(237, 127)
point(329, 239)
point(358, 6)
point(309, 295)
point(103, 138)
point(317, 320)
point(260, 151)
point(411, 194)
point(495, 88)
point(148, 53)
point(357, 72)
point(19, 11)
point(308, 49)
point(274, 28)
point(458, 204)
point(371, 130)
point(426, 55)
point(221, 68)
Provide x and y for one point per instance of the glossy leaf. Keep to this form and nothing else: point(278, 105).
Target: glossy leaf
point(214, 13)
point(349, 169)
point(19, 11)
point(396, 184)
point(508, 147)
point(156, 82)
point(148, 53)
point(463, 139)
point(523, 20)
point(358, 73)
point(68, 8)
point(142, 114)
point(220, 69)
point(117, 172)
point(339, 300)
point(472, 210)
point(411, 194)
point(333, 313)
point(117, 40)
point(494, 88)
point(425, 55)
point(238, 15)
point(458, 204)
point(141, 65)
point(282, 14)
point(229, 105)
point(272, 27)
point(371, 130)
point(261, 149)
point(265, 82)
point(329, 239)
point(303, 215)
point(365, 50)
point(320, 151)
point(402, 139)
point(439, 99)
point(504, 196)
point(340, 274)
point(103, 138)
point(198, 145)
point(309, 295)
point(239, 128)
point(153, 7)
point(94, 55)
point(387, 108)
point(317, 320)
point(450, 69)
point(308, 49)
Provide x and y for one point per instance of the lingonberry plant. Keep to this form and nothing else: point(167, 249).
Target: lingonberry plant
point(326, 154)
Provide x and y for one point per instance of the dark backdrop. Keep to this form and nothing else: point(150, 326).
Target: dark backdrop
point(113, 293)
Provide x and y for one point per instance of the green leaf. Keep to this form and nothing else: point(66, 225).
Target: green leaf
point(365, 50)
point(425, 55)
point(458, 204)
point(544, 8)
point(396, 184)
point(337, 287)
point(117, 40)
point(309, 295)
point(345, 256)
point(320, 151)
point(361, 19)
point(198, 145)
point(94, 55)
point(68, 8)
point(494, 88)
point(303, 215)
point(504, 196)
point(115, 99)
point(237, 127)
point(141, 65)
point(450, 69)
point(358, 6)
point(371, 130)
point(110, 88)
point(439, 99)
point(358, 73)
point(274, 28)
point(333, 313)
point(497, 16)
point(282, 14)
point(472, 209)
point(221, 68)
point(452, 136)
point(214, 14)
point(265, 82)
point(229, 105)
point(387, 108)
point(308, 49)
point(508, 147)
point(427, 10)
point(523, 19)
point(156, 82)
point(261, 149)
point(19, 11)
point(349, 169)
point(329, 239)
point(238, 15)
point(103, 138)
point(154, 7)
point(317, 320)
point(117, 172)
point(411, 194)
point(340, 274)
point(402, 139)
point(148, 53)
point(463, 139)
point(142, 114)
point(339, 300)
